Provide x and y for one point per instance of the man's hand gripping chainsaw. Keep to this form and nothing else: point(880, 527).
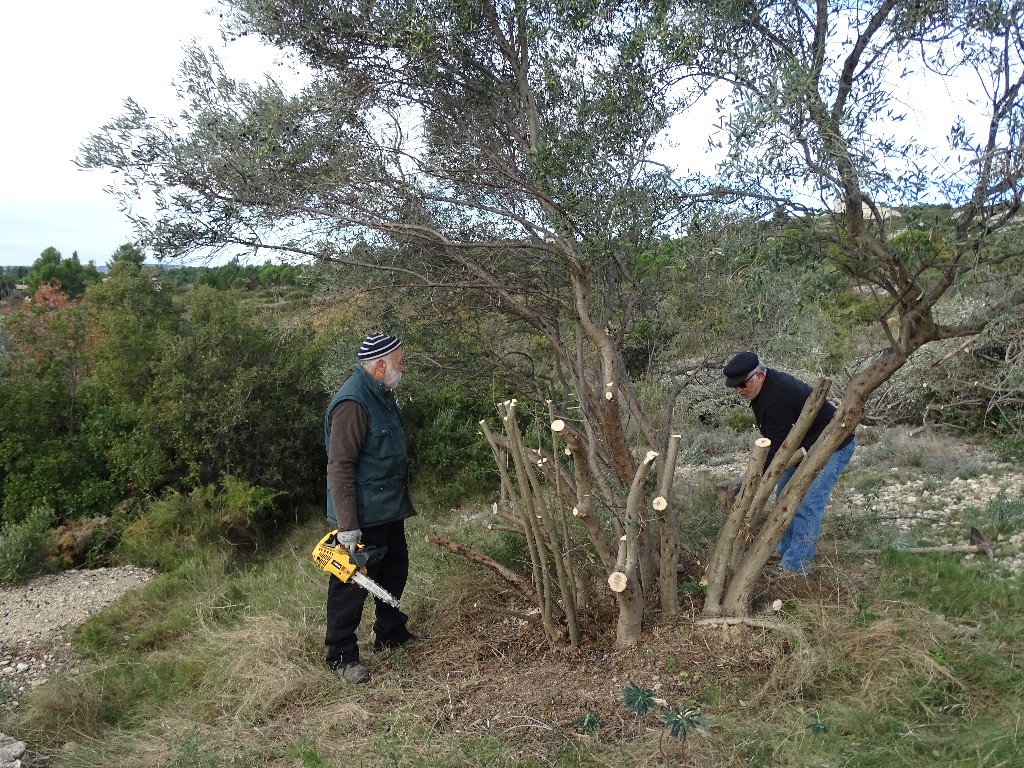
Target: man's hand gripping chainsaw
point(351, 566)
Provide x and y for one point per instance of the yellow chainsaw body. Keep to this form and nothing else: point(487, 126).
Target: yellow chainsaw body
point(334, 558)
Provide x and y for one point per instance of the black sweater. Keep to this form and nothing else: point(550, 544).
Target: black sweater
point(778, 405)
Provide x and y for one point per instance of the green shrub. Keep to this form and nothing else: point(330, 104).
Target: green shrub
point(1003, 515)
point(851, 307)
point(1011, 448)
point(740, 419)
point(26, 547)
point(512, 552)
point(235, 516)
point(450, 460)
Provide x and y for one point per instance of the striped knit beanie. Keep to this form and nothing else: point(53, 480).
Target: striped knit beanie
point(377, 345)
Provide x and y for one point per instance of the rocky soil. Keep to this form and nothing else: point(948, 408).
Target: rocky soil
point(920, 511)
point(35, 618)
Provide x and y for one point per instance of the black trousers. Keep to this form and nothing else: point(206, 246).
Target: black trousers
point(345, 600)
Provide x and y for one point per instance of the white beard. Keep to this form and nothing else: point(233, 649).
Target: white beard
point(391, 376)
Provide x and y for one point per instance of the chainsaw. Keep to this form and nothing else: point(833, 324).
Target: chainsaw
point(351, 566)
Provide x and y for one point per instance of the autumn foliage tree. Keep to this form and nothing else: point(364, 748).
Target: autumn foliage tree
point(47, 360)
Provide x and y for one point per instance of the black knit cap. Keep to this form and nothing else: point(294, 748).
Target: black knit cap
point(737, 369)
point(377, 345)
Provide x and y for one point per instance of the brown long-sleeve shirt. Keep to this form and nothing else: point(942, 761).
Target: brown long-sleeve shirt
point(349, 425)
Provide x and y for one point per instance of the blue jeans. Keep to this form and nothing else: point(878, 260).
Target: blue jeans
point(801, 538)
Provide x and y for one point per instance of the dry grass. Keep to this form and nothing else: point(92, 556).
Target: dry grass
point(485, 689)
point(932, 451)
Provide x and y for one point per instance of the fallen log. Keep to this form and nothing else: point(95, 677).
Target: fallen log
point(521, 584)
point(978, 546)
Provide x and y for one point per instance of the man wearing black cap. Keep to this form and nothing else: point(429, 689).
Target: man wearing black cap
point(368, 499)
point(776, 398)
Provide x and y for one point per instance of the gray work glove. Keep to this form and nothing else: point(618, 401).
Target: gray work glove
point(349, 539)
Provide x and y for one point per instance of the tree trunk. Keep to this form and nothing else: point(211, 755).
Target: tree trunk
point(720, 561)
point(631, 598)
point(668, 525)
point(734, 587)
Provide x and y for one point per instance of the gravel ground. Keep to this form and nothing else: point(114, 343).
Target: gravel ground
point(34, 619)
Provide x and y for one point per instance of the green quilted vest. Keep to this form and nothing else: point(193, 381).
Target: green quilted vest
point(382, 471)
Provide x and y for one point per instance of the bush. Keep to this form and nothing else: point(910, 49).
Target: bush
point(1004, 516)
point(1011, 448)
point(26, 547)
point(450, 461)
point(740, 419)
point(235, 517)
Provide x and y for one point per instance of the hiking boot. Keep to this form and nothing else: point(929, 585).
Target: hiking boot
point(351, 672)
point(784, 573)
point(382, 646)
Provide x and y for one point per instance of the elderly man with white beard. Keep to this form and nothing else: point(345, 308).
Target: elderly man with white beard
point(368, 500)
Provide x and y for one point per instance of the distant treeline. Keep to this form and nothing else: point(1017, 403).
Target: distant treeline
point(234, 274)
point(74, 276)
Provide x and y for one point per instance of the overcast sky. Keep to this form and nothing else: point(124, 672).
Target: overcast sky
point(67, 67)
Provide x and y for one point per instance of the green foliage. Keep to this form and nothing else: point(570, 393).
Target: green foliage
point(48, 458)
point(128, 394)
point(1004, 516)
point(588, 722)
point(950, 589)
point(638, 699)
point(852, 308)
point(26, 547)
point(234, 274)
point(69, 274)
point(233, 516)
point(1011, 448)
point(740, 419)
point(126, 256)
point(915, 247)
point(817, 728)
point(236, 395)
point(512, 552)
point(677, 721)
point(450, 461)
point(680, 721)
point(694, 587)
point(11, 276)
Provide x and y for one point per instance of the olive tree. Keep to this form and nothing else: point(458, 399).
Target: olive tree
point(486, 159)
point(812, 130)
